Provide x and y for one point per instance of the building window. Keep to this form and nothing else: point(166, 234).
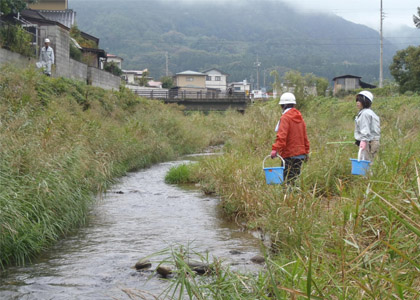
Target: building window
point(208, 78)
point(190, 78)
point(218, 78)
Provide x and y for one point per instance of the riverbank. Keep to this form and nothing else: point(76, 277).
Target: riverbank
point(62, 142)
point(334, 235)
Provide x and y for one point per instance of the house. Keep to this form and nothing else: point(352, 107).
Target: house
point(349, 82)
point(133, 76)
point(216, 80)
point(240, 87)
point(190, 81)
point(115, 59)
point(49, 5)
point(55, 10)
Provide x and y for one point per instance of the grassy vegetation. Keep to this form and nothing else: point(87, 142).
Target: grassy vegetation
point(178, 174)
point(62, 141)
point(334, 235)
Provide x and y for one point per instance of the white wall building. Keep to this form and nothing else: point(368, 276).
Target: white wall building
point(133, 76)
point(240, 87)
point(216, 79)
point(116, 59)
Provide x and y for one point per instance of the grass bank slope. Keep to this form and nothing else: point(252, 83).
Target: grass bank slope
point(334, 235)
point(62, 141)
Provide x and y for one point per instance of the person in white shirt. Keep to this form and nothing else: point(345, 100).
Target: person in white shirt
point(367, 129)
point(46, 57)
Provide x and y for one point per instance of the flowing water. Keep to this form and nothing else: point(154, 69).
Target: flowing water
point(140, 216)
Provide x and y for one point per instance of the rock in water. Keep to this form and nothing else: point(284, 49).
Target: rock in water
point(163, 270)
point(258, 259)
point(143, 264)
point(199, 268)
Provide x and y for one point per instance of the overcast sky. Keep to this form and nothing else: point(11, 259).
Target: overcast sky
point(366, 12)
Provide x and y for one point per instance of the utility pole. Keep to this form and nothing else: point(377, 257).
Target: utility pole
point(167, 63)
point(381, 72)
point(258, 64)
point(264, 78)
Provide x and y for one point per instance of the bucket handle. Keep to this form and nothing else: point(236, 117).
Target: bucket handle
point(359, 156)
point(283, 163)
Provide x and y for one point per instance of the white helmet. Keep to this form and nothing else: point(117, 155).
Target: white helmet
point(47, 41)
point(287, 98)
point(367, 94)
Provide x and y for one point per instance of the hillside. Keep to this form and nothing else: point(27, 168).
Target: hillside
point(229, 36)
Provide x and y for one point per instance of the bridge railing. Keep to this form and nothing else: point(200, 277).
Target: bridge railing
point(183, 95)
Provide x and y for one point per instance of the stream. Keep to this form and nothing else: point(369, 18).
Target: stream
point(139, 216)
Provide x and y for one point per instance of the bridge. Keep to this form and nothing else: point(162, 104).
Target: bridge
point(199, 101)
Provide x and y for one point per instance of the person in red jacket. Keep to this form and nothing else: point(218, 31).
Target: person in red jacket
point(292, 142)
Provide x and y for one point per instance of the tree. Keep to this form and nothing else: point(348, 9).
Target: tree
point(405, 69)
point(8, 7)
point(416, 19)
point(277, 86)
point(144, 79)
point(113, 68)
point(301, 85)
point(296, 82)
point(321, 86)
point(167, 82)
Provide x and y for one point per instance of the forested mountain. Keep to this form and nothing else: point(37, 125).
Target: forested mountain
point(229, 36)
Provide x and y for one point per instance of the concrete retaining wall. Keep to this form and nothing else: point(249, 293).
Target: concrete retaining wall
point(77, 70)
point(103, 79)
point(10, 57)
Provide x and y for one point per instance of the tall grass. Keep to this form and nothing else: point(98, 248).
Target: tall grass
point(61, 142)
point(334, 235)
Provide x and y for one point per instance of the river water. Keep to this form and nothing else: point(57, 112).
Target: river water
point(139, 216)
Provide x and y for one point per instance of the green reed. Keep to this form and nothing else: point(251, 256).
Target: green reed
point(334, 235)
point(62, 142)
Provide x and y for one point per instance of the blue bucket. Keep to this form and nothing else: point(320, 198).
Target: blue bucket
point(274, 175)
point(359, 167)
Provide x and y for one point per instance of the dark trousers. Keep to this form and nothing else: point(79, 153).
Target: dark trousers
point(292, 169)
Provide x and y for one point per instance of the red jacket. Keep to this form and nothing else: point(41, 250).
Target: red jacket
point(291, 139)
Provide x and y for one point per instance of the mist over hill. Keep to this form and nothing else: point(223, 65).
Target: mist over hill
point(229, 36)
point(403, 36)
